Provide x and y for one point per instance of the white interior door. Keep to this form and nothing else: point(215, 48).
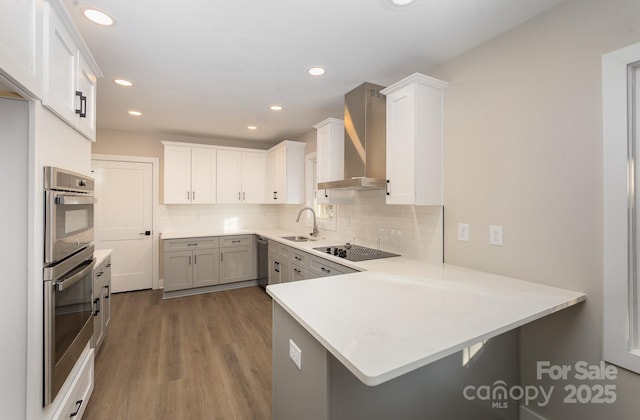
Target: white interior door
point(123, 216)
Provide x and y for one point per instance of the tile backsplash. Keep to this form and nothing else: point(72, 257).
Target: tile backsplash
point(412, 231)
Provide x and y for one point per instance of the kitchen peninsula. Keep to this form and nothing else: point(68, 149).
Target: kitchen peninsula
point(404, 329)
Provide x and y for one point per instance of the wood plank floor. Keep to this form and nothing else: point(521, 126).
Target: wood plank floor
point(198, 357)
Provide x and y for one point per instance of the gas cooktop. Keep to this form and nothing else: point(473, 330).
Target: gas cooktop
point(353, 252)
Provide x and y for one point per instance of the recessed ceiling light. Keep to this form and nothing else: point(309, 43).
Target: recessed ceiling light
point(252, 127)
point(123, 82)
point(401, 3)
point(316, 71)
point(275, 108)
point(98, 16)
point(135, 113)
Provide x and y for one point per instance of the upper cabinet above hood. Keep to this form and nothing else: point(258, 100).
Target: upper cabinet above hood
point(364, 140)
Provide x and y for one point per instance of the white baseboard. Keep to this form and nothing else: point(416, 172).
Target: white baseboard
point(528, 414)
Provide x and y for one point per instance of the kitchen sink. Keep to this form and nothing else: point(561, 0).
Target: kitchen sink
point(298, 238)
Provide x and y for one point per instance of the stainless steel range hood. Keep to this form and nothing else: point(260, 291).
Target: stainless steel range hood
point(365, 134)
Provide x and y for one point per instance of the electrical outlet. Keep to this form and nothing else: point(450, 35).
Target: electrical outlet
point(496, 235)
point(295, 354)
point(463, 232)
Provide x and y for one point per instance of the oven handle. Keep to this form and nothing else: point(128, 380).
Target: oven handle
point(74, 279)
point(74, 200)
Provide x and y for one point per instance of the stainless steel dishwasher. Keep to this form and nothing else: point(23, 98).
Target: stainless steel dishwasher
point(263, 261)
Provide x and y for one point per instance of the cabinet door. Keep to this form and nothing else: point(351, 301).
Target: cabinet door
point(177, 175)
point(203, 176)
point(254, 172)
point(236, 264)
point(61, 55)
point(206, 267)
point(277, 176)
point(98, 315)
point(229, 176)
point(286, 272)
point(21, 42)
point(401, 147)
point(87, 81)
point(274, 271)
point(178, 270)
point(106, 297)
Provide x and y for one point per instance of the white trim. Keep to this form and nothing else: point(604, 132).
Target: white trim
point(155, 163)
point(616, 333)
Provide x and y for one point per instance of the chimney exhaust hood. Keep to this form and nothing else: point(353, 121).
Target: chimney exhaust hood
point(365, 126)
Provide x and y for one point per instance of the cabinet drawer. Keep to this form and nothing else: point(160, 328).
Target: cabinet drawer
point(227, 241)
point(298, 273)
point(299, 258)
point(76, 400)
point(190, 243)
point(323, 267)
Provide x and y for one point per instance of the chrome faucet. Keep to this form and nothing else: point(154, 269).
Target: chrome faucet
point(315, 225)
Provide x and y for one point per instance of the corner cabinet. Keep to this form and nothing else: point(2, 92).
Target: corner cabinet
point(241, 177)
point(415, 112)
point(189, 174)
point(286, 173)
point(71, 74)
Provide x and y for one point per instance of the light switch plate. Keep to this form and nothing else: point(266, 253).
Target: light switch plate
point(295, 354)
point(463, 232)
point(496, 235)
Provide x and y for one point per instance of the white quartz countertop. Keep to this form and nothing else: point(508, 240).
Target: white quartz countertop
point(399, 314)
point(101, 254)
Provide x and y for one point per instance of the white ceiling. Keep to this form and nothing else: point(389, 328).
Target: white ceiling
point(211, 68)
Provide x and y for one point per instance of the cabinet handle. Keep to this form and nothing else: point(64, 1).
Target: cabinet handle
point(108, 291)
point(237, 241)
point(222, 256)
point(298, 258)
point(195, 259)
point(189, 259)
point(325, 194)
point(193, 196)
point(188, 196)
point(239, 199)
point(244, 196)
point(196, 244)
point(78, 405)
point(326, 270)
point(83, 105)
point(96, 301)
point(275, 195)
point(296, 270)
point(386, 187)
point(276, 266)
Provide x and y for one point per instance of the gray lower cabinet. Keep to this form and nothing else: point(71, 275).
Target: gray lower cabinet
point(237, 258)
point(290, 264)
point(209, 261)
point(101, 301)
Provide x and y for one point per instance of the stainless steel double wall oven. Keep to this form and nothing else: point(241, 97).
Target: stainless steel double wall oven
point(68, 279)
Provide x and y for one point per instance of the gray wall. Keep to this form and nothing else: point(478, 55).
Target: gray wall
point(523, 149)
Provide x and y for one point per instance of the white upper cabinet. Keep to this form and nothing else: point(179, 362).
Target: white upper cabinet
point(330, 155)
point(189, 174)
point(286, 173)
point(21, 43)
point(254, 177)
point(415, 141)
point(241, 176)
point(330, 160)
point(70, 74)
